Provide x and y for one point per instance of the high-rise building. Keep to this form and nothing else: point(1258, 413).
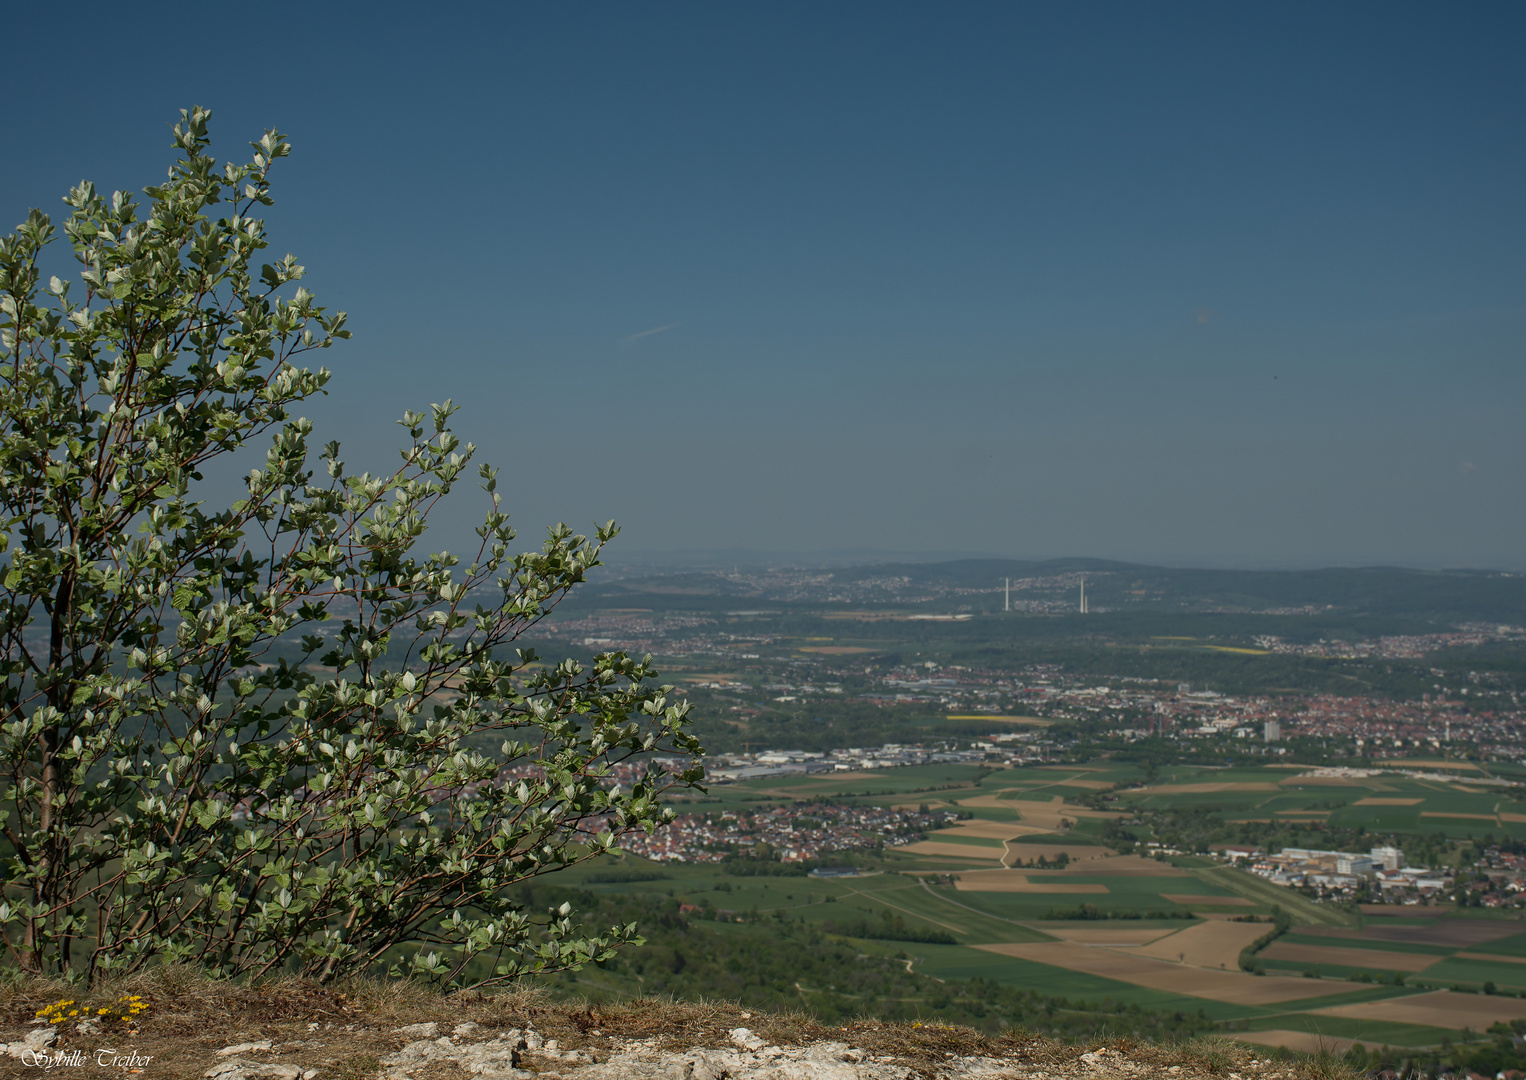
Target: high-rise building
point(1389, 858)
point(1272, 732)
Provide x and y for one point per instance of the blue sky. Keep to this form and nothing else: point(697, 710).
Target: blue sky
point(1197, 284)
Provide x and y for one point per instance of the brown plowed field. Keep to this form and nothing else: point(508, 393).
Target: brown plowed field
point(1235, 987)
point(1188, 900)
point(1207, 945)
point(1440, 1008)
point(1387, 802)
point(1371, 959)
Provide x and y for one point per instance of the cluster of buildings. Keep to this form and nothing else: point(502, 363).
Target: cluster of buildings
point(727, 768)
point(792, 833)
point(1496, 880)
point(1499, 880)
point(1396, 647)
point(1482, 713)
point(1379, 874)
point(1488, 721)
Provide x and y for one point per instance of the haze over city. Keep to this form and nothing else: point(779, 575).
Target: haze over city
point(1184, 284)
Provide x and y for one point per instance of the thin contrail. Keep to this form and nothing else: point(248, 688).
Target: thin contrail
point(654, 330)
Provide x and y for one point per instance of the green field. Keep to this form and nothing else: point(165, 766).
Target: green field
point(1137, 895)
point(903, 886)
point(1476, 973)
point(1303, 911)
point(1296, 938)
point(953, 962)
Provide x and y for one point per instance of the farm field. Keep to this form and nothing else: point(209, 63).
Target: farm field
point(1383, 802)
point(1444, 950)
point(1442, 1008)
point(1304, 1030)
point(1233, 986)
point(1307, 1042)
point(1205, 944)
point(1153, 932)
point(1315, 956)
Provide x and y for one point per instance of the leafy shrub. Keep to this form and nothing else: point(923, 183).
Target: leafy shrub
point(275, 736)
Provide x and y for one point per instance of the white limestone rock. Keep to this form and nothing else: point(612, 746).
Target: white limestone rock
point(33, 1042)
point(420, 1031)
point(239, 1069)
point(244, 1048)
point(745, 1039)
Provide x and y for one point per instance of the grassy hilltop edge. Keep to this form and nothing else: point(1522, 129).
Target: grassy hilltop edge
point(352, 1032)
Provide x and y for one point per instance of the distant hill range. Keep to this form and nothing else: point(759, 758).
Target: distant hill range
point(1053, 587)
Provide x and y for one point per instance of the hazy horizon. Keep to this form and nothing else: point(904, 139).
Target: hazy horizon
point(720, 558)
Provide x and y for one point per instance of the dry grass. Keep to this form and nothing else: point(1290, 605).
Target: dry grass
point(345, 1031)
point(342, 1030)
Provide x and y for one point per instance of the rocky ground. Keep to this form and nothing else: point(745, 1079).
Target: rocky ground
point(201, 1031)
